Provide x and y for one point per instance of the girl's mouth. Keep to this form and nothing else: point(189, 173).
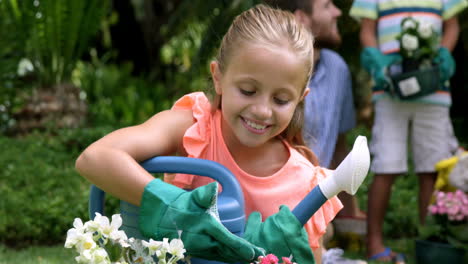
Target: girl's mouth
point(254, 127)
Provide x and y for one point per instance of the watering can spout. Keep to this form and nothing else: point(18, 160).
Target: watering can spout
point(350, 173)
point(347, 177)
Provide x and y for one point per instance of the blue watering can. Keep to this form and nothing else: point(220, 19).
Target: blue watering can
point(230, 200)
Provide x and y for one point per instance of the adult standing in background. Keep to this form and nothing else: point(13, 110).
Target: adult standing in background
point(425, 118)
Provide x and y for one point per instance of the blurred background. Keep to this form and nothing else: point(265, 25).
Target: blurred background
point(72, 71)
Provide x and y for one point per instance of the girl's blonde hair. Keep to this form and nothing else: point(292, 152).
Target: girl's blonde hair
point(274, 27)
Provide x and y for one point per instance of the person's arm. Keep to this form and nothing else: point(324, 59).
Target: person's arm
point(368, 32)
point(451, 30)
point(111, 163)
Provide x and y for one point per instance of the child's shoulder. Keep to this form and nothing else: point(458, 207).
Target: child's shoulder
point(191, 100)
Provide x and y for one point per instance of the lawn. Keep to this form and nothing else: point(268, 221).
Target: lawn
point(37, 255)
point(60, 255)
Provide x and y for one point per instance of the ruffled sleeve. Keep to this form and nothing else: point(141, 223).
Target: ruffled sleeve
point(197, 137)
point(317, 225)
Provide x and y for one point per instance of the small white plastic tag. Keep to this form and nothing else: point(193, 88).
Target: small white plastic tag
point(409, 86)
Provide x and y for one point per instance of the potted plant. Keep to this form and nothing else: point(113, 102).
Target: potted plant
point(444, 237)
point(418, 47)
point(418, 44)
point(101, 241)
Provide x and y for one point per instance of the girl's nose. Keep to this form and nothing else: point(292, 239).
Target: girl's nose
point(262, 110)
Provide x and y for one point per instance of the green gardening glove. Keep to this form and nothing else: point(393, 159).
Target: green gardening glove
point(376, 64)
point(446, 64)
point(167, 210)
point(281, 234)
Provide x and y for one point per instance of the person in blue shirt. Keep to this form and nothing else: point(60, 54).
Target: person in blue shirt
point(329, 107)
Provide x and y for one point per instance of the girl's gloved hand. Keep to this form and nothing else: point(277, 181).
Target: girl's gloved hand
point(281, 234)
point(170, 212)
point(376, 64)
point(446, 64)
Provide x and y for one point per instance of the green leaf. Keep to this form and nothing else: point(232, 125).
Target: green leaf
point(459, 232)
point(114, 250)
point(456, 243)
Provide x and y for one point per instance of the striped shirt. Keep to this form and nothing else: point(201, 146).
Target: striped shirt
point(329, 107)
point(389, 14)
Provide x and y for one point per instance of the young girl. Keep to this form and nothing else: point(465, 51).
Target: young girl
point(252, 126)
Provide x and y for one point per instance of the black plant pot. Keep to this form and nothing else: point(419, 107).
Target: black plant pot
point(410, 65)
point(426, 80)
point(428, 252)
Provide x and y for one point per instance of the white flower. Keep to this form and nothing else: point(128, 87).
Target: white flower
point(119, 236)
point(99, 256)
point(75, 234)
point(108, 229)
point(176, 248)
point(84, 257)
point(409, 24)
point(85, 242)
point(95, 224)
point(409, 42)
point(112, 229)
point(153, 246)
point(25, 66)
point(123, 242)
point(140, 255)
point(425, 29)
point(161, 254)
point(91, 241)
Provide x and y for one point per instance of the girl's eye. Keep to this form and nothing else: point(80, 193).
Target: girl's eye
point(246, 92)
point(280, 101)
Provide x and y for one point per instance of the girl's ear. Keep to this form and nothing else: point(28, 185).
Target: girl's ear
point(216, 76)
point(306, 92)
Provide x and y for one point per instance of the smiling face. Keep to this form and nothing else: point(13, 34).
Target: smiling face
point(259, 90)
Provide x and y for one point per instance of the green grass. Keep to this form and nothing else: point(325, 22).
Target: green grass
point(60, 255)
point(37, 255)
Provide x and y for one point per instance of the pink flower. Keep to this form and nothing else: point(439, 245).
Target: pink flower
point(452, 204)
point(286, 260)
point(269, 259)
point(454, 209)
point(433, 209)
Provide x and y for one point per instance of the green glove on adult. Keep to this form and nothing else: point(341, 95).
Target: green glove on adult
point(167, 210)
point(281, 234)
point(376, 64)
point(446, 64)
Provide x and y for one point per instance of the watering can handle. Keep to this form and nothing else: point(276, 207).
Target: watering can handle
point(201, 167)
point(172, 164)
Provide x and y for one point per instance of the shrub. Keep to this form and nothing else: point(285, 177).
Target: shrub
point(41, 191)
point(115, 97)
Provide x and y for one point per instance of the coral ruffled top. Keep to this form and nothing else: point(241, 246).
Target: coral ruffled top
point(288, 186)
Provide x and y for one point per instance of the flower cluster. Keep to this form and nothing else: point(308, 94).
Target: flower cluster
point(452, 204)
point(272, 259)
point(447, 220)
point(99, 241)
point(418, 40)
